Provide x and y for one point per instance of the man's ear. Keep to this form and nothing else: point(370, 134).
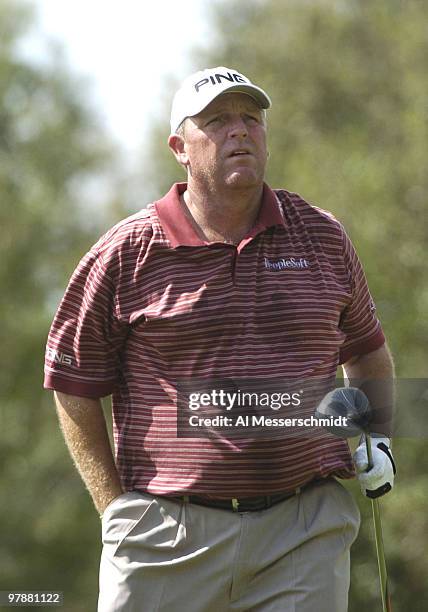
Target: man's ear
point(177, 145)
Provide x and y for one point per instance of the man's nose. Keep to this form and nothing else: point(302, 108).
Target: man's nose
point(238, 128)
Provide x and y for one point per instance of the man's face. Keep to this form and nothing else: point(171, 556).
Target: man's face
point(225, 144)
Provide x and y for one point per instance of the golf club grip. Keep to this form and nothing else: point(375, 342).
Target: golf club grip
point(369, 452)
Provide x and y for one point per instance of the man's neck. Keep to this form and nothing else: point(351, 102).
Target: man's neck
point(225, 216)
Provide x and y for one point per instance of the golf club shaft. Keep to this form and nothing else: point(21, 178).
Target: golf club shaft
point(386, 602)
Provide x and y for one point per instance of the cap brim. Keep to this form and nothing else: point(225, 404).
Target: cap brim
point(258, 95)
point(255, 92)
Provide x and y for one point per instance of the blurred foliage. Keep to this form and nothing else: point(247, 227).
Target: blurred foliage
point(348, 130)
point(49, 146)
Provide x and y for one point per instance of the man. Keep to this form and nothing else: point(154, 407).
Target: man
point(223, 279)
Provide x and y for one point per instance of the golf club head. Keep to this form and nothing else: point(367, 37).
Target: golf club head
point(348, 402)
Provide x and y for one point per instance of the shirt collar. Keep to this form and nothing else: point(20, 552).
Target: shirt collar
point(180, 232)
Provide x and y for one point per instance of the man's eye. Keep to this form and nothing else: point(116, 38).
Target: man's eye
point(213, 120)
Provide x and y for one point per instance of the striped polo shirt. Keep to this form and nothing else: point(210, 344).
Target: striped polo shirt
point(152, 306)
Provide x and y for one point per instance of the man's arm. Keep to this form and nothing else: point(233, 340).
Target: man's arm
point(374, 374)
point(83, 425)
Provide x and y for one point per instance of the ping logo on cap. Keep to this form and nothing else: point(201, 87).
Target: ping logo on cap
point(216, 78)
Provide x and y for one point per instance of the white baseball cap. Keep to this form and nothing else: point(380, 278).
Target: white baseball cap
point(200, 88)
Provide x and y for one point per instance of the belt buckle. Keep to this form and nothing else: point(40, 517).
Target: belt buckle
point(235, 504)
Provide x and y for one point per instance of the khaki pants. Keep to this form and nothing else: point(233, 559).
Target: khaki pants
point(161, 555)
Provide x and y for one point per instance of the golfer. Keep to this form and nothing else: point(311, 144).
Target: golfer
point(222, 279)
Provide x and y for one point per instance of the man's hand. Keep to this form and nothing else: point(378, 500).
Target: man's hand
point(380, 478)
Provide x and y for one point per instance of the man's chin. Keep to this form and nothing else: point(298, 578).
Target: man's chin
point(243, 180)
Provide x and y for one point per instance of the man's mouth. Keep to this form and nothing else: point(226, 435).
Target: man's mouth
point(239, 152)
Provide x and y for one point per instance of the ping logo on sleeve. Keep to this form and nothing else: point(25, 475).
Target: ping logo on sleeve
point(291, 263)
point(58, 357)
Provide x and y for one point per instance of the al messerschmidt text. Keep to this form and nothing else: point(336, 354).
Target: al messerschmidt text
point(263, 421)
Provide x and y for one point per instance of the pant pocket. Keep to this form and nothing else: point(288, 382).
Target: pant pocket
point(122, 516)
point(145, 523)
point(330, 507)
point(348, 509)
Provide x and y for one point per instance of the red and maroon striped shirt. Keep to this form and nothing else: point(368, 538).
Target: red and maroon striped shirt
point(151, 305)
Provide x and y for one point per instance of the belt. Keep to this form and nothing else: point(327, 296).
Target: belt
point(241, 504)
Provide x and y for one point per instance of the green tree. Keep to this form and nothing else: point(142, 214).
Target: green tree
point(50, 144)
point(348, 131)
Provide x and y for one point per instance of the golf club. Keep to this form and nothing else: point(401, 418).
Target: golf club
point(352, 404)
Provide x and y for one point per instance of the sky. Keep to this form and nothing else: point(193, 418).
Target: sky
point(126, 48)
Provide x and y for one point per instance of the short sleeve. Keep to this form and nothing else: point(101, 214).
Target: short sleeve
point(358, 321)
point(84, 343)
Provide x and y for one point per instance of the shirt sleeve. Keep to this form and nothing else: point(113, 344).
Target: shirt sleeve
point(358, 321)
point(84, 343)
